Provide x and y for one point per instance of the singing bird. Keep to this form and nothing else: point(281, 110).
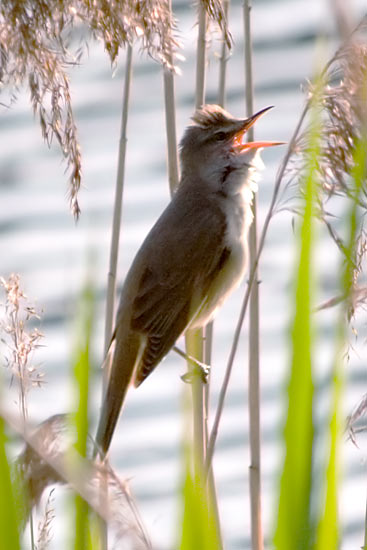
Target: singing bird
point(193, 257)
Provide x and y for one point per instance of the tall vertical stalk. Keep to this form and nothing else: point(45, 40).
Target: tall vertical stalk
point(117, 211)
point(115, 239)
point(194, 339)
point(254, 352)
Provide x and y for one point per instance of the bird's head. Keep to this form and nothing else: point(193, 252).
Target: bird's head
point(214, 148)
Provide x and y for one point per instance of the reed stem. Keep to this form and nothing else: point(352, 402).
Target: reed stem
point(194, 339)
point(117, 211)
point(114, 249)
point(254, 348)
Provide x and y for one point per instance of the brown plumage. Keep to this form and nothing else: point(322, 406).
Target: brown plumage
point(192, 258)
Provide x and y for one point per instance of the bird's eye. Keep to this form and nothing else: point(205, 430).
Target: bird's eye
point(220, 136)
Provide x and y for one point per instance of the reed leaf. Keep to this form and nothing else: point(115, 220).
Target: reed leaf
point(81, 373)
point(294, 528)
point(199, 527)
point(9, 520)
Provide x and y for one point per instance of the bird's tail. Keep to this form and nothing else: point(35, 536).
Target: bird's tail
point(124, 359)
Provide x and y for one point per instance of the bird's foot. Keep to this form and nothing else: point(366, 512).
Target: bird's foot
point(198, 370)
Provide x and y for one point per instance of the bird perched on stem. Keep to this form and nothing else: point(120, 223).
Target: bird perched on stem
point(193, 257)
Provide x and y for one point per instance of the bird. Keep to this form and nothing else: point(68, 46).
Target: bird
point(192, 259)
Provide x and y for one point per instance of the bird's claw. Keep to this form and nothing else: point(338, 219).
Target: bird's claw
point(198, 370)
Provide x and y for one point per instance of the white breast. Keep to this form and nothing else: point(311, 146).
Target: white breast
point(239, 218)
point(237, 209)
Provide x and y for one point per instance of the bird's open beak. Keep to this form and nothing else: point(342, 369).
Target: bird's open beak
point(238, 144)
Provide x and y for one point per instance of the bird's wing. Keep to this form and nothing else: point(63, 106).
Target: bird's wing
point(166, 283)
point(176, 277)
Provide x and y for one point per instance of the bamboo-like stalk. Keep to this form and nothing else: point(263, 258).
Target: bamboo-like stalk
point(117, 212)
point(254, 351)
point(194, 339)
point(223, 391)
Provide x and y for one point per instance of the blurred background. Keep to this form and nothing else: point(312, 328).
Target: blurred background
point(54, 256)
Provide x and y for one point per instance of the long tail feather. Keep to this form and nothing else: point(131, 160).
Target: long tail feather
point(124, 359)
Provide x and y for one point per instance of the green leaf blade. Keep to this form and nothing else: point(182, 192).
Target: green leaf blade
point(294, 527)
point(199, 528)
point(9, 538)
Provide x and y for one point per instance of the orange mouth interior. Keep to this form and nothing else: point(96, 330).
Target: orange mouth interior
point(242, 147)
point(238, 141)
